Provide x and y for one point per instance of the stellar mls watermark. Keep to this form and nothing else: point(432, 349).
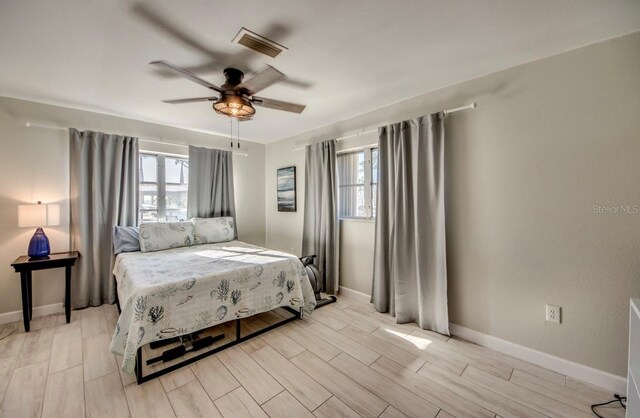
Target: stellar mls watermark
point(616, 209)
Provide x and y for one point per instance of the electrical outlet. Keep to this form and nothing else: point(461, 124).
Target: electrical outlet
point(553, 314)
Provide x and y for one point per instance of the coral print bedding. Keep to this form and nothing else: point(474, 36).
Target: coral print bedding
point(177, 291)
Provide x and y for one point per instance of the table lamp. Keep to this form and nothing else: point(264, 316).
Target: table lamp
point(38, 215)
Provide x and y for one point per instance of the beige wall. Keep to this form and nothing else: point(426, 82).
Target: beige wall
point(550, 140)
point(34, 165)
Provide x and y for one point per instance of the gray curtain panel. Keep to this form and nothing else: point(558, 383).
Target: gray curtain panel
point(320, 231)
point(103, 188)
point(211, 184)
point(410, 268)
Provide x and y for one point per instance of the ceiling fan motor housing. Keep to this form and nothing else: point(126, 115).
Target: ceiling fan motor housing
point(233, 77)
point(233, 102)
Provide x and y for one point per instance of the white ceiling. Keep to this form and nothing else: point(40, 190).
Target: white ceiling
point(346, 57)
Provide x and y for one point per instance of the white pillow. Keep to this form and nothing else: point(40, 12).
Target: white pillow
point(164, 235)
point(212, 230)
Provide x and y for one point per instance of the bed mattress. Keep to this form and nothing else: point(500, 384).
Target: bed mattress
point(174, 292)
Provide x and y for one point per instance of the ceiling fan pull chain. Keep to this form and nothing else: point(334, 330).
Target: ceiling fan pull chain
point(238, 132)
point(231, 129)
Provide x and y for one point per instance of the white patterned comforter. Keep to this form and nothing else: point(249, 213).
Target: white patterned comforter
point(173, 292)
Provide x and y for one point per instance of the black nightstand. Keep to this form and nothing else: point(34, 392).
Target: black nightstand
point(24, 266)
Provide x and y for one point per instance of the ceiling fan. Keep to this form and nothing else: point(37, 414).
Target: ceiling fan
point(236, 98)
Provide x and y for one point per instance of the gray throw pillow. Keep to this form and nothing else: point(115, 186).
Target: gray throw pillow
point(126, 239)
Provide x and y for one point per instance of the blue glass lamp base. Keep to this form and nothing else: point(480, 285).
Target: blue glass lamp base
point(39, 245)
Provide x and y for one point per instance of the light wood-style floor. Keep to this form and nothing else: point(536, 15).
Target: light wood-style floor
point(345, 360)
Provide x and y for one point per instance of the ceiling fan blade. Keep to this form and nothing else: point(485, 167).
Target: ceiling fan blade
point(186, 74)
point(195, 99)
point(162, 21)
point(262, 80)
point(277, 104)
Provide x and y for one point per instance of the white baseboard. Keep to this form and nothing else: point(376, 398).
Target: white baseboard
point(588, 374)
point(354, 294)
point(14, 316)
point(614, 383)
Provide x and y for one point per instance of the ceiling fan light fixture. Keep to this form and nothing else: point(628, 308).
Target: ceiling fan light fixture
point(234, 106)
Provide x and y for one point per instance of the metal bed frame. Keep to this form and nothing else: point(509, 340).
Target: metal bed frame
point(141, 378)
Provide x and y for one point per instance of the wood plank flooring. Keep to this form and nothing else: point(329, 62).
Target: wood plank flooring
point(345, 360)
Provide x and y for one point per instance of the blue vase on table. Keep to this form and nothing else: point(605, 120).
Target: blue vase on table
point(39, 245)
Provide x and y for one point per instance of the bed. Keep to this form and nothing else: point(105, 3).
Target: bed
point(173, 292)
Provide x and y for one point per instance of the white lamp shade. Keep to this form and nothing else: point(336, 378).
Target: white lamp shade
point(53, 215)
point(32, 215)
point(38, 215)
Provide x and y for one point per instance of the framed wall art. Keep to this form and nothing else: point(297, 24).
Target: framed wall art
point(287, 189)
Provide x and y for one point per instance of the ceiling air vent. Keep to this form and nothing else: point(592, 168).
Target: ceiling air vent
point(258, 43)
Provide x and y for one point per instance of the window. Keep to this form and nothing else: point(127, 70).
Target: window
point(358, 177)
point(163, 188)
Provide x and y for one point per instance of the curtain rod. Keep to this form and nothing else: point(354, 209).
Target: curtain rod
point(471, 105)
point(150, 141)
